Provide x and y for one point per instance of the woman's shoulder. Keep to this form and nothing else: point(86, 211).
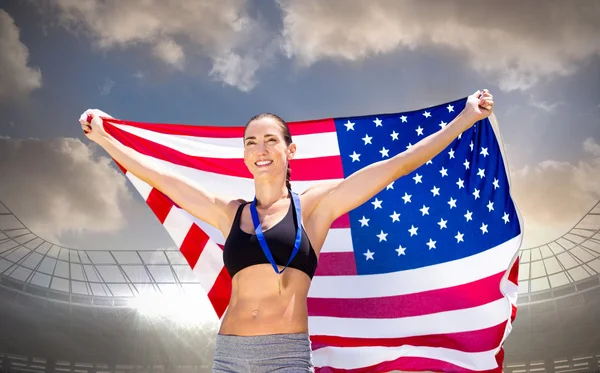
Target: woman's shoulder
point(235, 204)
point(231, 210)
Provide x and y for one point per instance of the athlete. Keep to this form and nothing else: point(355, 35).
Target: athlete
point(273, 242)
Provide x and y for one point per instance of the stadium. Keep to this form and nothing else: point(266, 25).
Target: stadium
point(86, 311)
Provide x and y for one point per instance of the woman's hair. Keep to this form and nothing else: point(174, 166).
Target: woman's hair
point(287, 136)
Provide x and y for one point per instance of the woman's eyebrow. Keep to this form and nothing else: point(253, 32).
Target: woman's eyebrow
point(254, 137)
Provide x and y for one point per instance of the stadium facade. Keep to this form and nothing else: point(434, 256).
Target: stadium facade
point(68, 310)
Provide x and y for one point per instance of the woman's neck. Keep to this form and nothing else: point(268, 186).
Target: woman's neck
point(269, 193)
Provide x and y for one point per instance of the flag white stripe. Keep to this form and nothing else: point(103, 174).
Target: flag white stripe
point(212, 232)
point(142, 187)
point(308, 146)
point(177, 224)
point(466, 319)
point(338, 240)
point(511, 291)
point(358, 357)
point(209, 265)
point(233, 186)
point(480, 266)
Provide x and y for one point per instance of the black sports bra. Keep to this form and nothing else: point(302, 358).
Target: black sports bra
point(242, 249)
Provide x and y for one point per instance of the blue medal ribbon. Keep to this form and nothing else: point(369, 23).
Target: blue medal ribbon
point(261, 237)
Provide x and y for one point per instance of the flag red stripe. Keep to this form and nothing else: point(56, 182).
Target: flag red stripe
point(469, 295)
point(514, 272)
point(120, 167)
point(341, 222)
point(336, 264)
point(159, 204)
point(303, 169)
point(307, 127)
point(193, 244)
point(409, 363)
point(499, 361)
point(470, 341)
point(220, 293)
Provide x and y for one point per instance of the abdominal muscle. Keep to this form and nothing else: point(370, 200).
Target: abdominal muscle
point(257, 308)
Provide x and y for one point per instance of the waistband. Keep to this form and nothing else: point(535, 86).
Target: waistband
point(263, 346)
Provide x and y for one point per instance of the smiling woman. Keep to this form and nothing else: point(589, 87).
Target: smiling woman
point(272, 243)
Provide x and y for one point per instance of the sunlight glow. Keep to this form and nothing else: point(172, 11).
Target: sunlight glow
point(180, 308)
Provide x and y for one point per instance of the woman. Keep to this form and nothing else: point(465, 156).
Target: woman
point(265, 327)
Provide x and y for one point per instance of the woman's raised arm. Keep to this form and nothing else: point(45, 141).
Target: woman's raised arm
point(216, 210)
point(368, 181)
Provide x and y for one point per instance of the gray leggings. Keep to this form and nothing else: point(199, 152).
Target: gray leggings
point(281, 353)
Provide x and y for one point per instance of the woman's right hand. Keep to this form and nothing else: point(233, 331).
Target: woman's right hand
point(94, 129)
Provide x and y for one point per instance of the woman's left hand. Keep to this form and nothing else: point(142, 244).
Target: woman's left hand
point(479, 105)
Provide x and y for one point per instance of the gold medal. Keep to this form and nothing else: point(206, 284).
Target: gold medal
point(279, 283)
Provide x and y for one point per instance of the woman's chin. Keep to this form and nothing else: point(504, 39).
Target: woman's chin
point(266, 173)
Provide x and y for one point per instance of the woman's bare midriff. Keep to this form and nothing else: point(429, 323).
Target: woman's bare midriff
point(256, 308)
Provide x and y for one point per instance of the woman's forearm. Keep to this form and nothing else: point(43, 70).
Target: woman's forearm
point(130, 160)
point(206, 206)
point(432, 145)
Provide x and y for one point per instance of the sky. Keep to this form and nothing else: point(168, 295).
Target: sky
point(220, 62)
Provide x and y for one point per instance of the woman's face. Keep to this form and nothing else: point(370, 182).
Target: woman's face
point(266, 153)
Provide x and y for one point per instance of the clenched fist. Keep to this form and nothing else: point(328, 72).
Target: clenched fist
point(91, 123)
point(479, 105)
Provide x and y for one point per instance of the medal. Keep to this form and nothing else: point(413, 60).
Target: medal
point(263, 242)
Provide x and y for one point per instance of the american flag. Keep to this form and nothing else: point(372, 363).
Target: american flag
point(422, 277)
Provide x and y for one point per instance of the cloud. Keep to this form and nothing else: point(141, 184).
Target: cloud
point(236, 70)
point(169, 52)
point(138, 75)
point(590, 146)
point(18, 79)
point(106, 87)
point(60, 187)
point(174, 29)
point(518, 43)
point(552, 196)
point(543, 105)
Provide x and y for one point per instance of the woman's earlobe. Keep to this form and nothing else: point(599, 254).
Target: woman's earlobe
point(292, 151)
